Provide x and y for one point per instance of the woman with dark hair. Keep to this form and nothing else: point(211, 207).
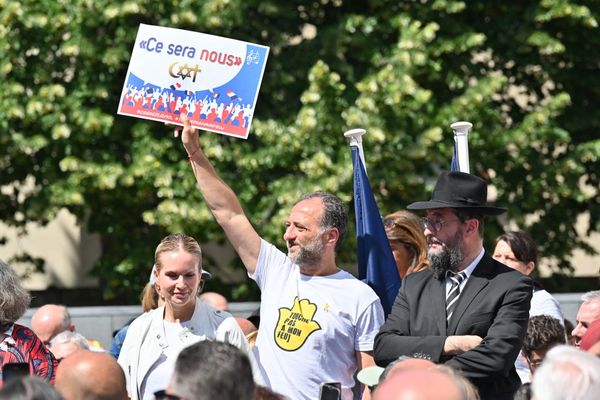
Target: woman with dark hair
point(518, 250)
point(404, 231)
point(154, 339)
point(18, 344)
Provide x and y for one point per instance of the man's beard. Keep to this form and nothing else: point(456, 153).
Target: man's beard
point(309, 254)
point(449, 258)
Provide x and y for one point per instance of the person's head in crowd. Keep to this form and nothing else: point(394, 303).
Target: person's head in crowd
point(404, 363)
point(404, 231)
point(249, 329)
point(215, 300)
point(23, 345)
point(326, 227)
point(264, 393)
point(455, 220)
point(178, 271)
point(89, 375)
point(569, 330)
point(373, 376)
point(590, 341)
point(66, 343)
point(543, 333)
point(567, 373)
point(28, 388)
point(13, 297)
point(50, 320)
point(420, 384)
point(246, 326)
point(466, 387)
point(228, 375)
point(589, 311)
point(523, 392)
point(255, 318)
point(517, 250)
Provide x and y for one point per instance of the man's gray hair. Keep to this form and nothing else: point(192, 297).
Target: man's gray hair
point(335, 214)
point(70, 337)
point(14, 299)
point(65, 317)
point(593, 295)
point(210, 370)
point(567, 373)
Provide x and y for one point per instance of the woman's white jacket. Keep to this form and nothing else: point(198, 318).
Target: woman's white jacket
point(145, 341)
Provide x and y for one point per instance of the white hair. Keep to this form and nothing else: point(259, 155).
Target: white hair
point(14, 299)
point(567, 373)
point(593, 295)
point(70, 337)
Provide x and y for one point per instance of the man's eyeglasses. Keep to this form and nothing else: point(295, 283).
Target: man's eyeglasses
point(436, 225)
point(163, 395)
point(534, 364)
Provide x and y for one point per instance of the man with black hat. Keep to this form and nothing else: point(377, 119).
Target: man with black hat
point(468, 310)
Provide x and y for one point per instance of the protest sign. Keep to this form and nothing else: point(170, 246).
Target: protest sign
point(212, 79)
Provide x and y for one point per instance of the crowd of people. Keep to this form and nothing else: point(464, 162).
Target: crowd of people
point(467, 323)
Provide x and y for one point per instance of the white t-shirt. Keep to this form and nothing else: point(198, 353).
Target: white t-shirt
point(311, 326)
point(159, 375)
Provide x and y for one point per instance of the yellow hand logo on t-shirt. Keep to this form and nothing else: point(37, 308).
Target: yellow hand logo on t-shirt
point(295, 325)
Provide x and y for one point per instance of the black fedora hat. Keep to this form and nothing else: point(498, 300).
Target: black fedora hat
point(459, 190)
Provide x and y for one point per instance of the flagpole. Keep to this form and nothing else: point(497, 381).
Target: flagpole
point(354, 137)
point(461, 141)
point(376, 264)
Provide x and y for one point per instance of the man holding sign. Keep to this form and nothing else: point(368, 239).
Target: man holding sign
point(318, 322)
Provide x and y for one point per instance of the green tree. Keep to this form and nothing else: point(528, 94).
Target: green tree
point(524, 72)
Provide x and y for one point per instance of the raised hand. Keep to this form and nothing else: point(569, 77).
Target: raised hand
point(189, 136)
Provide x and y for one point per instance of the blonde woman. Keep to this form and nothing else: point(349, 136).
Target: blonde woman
point(404, 231)
point(155, 339)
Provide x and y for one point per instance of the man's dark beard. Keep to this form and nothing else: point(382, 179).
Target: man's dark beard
point(445, 260)
point(448, 259)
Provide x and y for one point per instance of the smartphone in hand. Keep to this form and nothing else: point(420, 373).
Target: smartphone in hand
point(14, 370)
point(330, 391)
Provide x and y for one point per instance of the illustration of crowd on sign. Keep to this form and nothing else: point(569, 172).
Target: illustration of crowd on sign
point(211, 107)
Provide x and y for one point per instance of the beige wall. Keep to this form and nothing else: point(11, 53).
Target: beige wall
point(69, 252)
point(586, 265)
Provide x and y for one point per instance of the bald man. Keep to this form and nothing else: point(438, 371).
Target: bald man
point(89, 375)
point(419, 384)
point(246, 326)
point(50, 320)
point(215, 300)
point(374, 376)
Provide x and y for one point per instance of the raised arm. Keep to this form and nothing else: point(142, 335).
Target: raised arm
point(221, 200)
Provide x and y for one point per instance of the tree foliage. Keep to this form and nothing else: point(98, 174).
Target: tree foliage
point(524, 72)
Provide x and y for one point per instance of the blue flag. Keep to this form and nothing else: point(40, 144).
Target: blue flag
point(376, 265)
point(454, 167)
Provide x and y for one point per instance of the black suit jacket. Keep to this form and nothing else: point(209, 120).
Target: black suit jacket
point(493, 304)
